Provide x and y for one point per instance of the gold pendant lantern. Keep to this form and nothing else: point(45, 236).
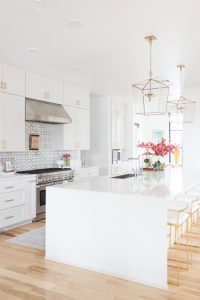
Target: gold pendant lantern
point(182, 106)
point(150, 96)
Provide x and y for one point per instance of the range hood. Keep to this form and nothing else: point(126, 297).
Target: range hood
point(46, 112)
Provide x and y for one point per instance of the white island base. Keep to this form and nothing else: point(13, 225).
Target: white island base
point(102, 226)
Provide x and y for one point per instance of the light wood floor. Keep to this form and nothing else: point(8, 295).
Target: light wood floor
point(24, 274)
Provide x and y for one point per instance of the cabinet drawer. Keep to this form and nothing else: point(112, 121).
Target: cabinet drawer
point(12, 199)
point(91, 172)
point(86, 172)
point(11, 186)
point(12, 216)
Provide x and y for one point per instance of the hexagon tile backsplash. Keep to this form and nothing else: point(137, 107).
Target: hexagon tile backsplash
point(45, 157)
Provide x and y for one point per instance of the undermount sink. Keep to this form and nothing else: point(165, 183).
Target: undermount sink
point(124, 176)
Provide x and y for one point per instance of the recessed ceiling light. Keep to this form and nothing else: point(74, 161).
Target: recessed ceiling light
point(34, 50)
point(74, 23)
point(107, 80)
point(38, 0)
point(76, 68)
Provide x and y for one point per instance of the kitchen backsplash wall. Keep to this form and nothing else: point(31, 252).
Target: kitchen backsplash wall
point(36, 159)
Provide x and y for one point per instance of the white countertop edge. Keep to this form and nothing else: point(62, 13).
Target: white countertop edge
point(6, 176)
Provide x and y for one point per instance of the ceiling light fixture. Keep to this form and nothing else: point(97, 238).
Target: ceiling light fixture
point(183, 106)
point(150, 96)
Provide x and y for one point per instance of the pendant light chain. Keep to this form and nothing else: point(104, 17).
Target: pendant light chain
point(181, 80)
point(150, 58)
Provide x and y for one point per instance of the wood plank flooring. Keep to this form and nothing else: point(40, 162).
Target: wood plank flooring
point(24, 274)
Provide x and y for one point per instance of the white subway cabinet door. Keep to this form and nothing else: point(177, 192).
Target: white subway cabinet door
point(35, 86)
point(53, 91)
point(2, 142)
point(14, 122)
point(13, 80)
point(77, 97)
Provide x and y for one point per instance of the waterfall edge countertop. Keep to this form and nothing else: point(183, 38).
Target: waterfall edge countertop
point(165, 184)
point(115, 226)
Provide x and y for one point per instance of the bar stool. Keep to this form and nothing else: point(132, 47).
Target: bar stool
point(193, 209)
point(177, 216)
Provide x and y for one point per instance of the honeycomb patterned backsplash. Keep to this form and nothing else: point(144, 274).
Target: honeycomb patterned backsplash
point(45, 157)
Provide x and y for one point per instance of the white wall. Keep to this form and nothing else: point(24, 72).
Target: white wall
point(191, 134)
point(148, 124)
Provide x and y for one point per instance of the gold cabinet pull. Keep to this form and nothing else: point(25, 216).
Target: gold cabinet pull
point(46, 95)
point(9, 200)
point(77, 102)
point(9, 217)
point(5, 85)
point(9, 187)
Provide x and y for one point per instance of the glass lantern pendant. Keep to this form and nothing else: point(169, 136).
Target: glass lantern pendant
point(183, 106)
point(150, 96)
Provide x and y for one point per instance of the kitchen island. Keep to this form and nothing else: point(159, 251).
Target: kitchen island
point(115, 226)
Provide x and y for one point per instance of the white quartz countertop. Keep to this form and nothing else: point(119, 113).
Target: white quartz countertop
point(13, 176)
point(163, 184)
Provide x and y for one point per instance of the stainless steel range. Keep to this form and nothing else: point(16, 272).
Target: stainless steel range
point(44, 178)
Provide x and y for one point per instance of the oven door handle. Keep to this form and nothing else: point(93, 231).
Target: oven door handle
point(44, 185)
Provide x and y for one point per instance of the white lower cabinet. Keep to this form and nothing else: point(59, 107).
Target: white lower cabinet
point(17, 202)
point(9, 200)
point(86, 173)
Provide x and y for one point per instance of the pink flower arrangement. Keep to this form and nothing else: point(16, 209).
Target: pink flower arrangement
point(160, 149)
point(66, 156)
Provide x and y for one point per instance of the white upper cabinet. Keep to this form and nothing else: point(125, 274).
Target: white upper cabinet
point(118, 124)
point(42, 88)
point(83, 129)
point(1, 77)
point(117, 108)
point(77, 97)
point(12, 80)
point(70, 131)
point(12, 122)
point(2, 143)
point(76, 135)
point(53, 91)
point(34, 86)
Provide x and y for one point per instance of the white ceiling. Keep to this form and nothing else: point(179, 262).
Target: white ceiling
point(108, 52)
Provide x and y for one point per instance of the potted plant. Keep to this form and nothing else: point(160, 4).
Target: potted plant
point(159, 151)
point(66, 158)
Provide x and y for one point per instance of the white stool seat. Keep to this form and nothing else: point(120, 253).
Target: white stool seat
point(176, 205)
point(195, 207)
point(188, 197)
point(194, 193)
point(173, 220)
